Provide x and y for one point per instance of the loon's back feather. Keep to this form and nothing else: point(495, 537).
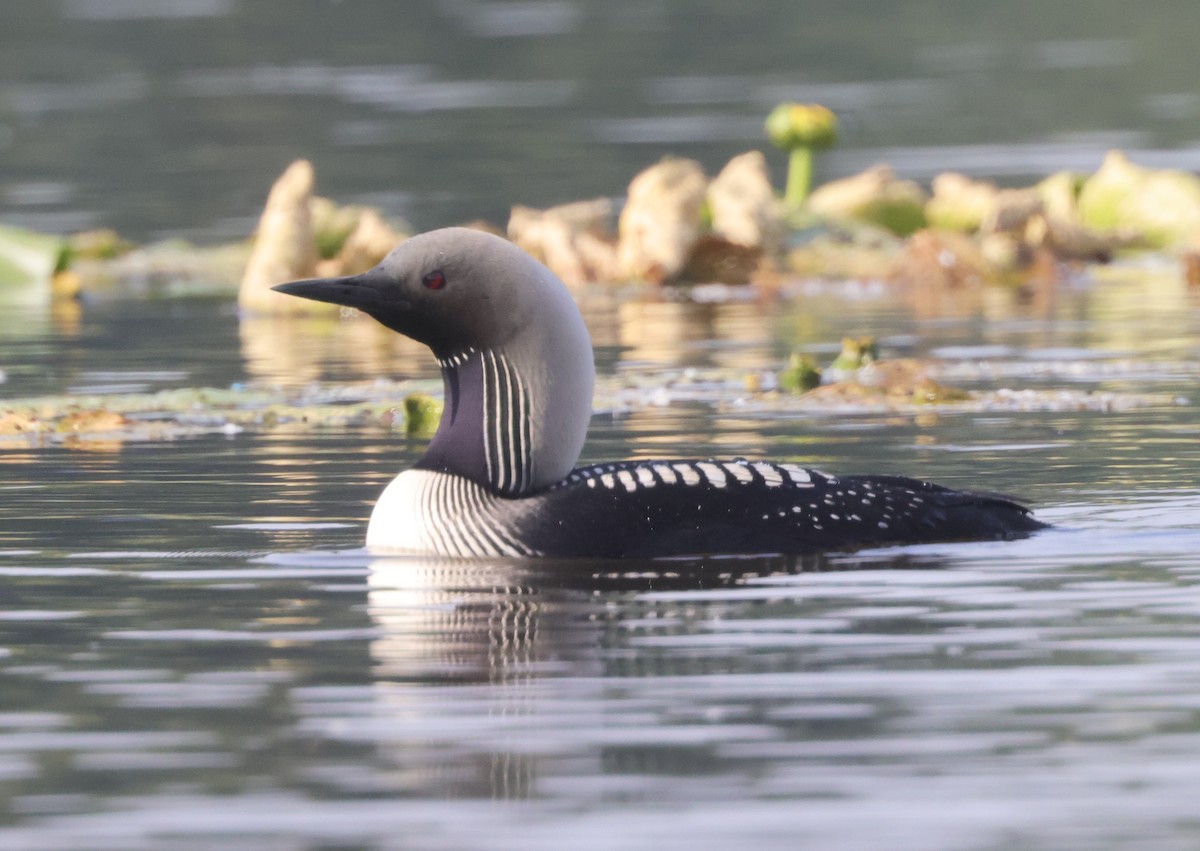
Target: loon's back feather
point(672, 507)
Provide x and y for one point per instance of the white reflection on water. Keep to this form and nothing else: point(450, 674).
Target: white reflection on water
point(40, 99)
point(131, 10)
point(402, 88)
point(1014, 159)
point(516, 18)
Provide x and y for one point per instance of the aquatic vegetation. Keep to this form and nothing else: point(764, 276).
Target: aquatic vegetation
point(742, 206)
point(971, 206)
point(846, 250)
point(331, 225)
point(856, 353)
point(716, 258)
point(28, 263)
point(930, 392)
point(875, 196)
point(661, 221)
point(944, 262)
point(300, 235)
point(422, 413)
point(677, 226)
point(171, 414)
point(20, 422)
point(1162, 206)
point(284, 248)
point(800, 129)
point(858, 377)
point(800, 375)
point(91, 421)
point(99, 244)
point(575, 240)
point(171, 269)
point(412, 408)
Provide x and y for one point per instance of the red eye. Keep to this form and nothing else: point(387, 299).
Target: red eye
point(435, 280)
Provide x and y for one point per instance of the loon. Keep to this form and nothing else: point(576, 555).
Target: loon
point(499, 477)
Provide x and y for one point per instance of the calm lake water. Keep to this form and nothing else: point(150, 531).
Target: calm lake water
point(195, 652)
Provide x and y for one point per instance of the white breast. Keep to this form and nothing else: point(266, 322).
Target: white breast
point(429, 513)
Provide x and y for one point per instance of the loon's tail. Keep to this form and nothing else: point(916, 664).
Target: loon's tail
point(949, 514)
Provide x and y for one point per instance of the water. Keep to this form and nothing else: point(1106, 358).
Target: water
point(194, 650)
point(172, 117)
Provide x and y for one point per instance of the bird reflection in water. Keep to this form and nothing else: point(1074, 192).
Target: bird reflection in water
point(529, 649)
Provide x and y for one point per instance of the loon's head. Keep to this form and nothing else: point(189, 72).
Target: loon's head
point(515, 354)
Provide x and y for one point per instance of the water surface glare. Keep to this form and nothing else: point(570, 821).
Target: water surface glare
point(195, 650)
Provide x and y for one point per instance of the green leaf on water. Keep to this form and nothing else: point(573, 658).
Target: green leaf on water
point(28, 260)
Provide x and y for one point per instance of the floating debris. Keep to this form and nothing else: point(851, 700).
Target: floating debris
point(104, 422)
point(173, 414)
point(891, 386)
point(92, 421)
point(19, 423)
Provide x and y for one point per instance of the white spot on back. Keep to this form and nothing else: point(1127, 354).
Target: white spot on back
point(740, 472)
point(665, 473)
point(771, 476)
point(690, 476)
point(713, 473)
point(627, 480)
point(797, 474)
point(608, 481)
point(645, 477)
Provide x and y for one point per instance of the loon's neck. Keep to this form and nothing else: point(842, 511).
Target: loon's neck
point(486, 430)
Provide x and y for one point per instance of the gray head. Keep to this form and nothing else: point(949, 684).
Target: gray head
point(515, 354)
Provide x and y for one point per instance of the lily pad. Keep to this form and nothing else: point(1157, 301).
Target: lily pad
point(1162, 206)
point(28, 261)
point(412, 408)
